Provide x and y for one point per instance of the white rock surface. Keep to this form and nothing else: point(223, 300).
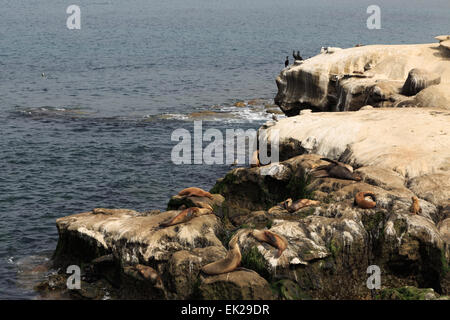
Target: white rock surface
point(410, 141)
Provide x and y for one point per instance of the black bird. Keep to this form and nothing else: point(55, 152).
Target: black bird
point(297, 55)
point(286, 63)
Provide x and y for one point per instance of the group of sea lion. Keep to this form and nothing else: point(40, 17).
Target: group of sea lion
point(361, 202)
point(232, 260)
point(188, 214)
point(335, 169)
point(340, 170)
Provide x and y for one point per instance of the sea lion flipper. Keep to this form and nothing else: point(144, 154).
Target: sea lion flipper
point(320, 174)
point(330, 160)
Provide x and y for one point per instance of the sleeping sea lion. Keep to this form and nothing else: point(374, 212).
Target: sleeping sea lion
point(293, 206)
point(362, 203)
point(336, 170)
point(231, 261)
point(106, 211)
point(186, 215)
point(271, 238)
point(150, 274)
point(195, 192)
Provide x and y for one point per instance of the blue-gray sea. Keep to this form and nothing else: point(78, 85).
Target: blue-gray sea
point(86, 115)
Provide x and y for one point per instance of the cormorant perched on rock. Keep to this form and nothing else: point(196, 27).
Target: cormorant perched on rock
point(297, 55)
point(286, 63)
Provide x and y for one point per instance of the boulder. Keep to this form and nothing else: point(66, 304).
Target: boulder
point(434, 187)
point(131, 250)
point(437, 96)
point(419, 79)
point(184, 267)
point(442, 38)
point(236, 285)
point(444, 230)
point(132, 239)
point(407, 293)
point(445, 45)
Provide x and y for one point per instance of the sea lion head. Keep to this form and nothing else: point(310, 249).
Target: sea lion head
point(287, 203)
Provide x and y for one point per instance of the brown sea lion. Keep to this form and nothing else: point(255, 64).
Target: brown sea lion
point(415, 206)
point(186, 215)
point(183, 216)
point(336, 170)
point(362, 203)
point(113, 211)
point(271, 238)
point(149, 273)
point(293, 206)
point(231, 261)
point(195, 192)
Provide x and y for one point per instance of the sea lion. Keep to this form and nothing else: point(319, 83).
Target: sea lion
point(255, 159)
point(149, 273)
point(362, 203)
point(142, 272)
point(415, 206)
point(195, 192)
point(271, 238)
point(186, 215)
point(113, 211)
point(336, 170)
point(293, 206)
point(102, 259)
point(231, 261)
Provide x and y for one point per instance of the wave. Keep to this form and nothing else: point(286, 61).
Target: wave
point(257, 110)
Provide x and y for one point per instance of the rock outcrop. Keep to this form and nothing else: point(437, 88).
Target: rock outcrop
point(349, 79)
point(332, 244)
point(140, 259)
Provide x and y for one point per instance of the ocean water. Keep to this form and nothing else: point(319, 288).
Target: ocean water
point(95, 130)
